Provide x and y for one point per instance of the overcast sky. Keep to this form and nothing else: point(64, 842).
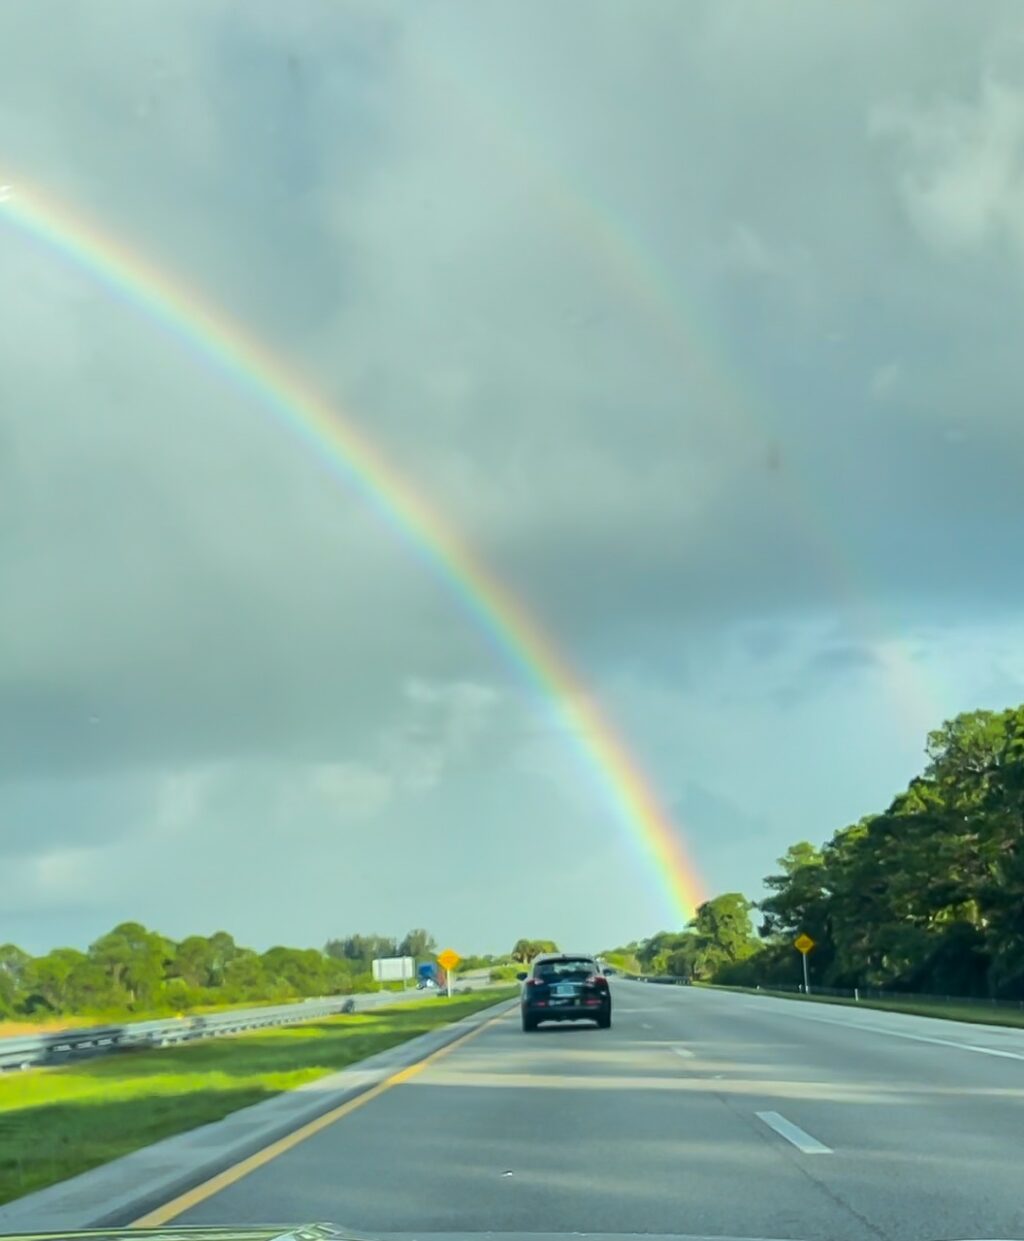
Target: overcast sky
point(701, 321)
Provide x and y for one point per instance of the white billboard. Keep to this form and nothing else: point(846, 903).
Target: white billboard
point(394, 969)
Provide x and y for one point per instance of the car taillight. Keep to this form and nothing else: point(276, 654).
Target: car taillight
point(597, 980)
point(534, 982)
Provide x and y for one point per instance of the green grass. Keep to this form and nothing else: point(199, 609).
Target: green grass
point(979, 1014)
point(55, 1123)
point(505, 973)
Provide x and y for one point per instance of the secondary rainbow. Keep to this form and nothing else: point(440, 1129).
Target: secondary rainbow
point(590, 221)
point(344, 449)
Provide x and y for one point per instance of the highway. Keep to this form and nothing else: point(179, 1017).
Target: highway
point(698, 1113)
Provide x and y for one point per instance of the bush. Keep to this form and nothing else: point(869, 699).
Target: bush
point(181, 998)
point(739, 973)
point(505, 973)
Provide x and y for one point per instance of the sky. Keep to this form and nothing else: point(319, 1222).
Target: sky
point(701, 324)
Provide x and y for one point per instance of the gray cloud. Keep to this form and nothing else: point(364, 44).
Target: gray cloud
point(702, 330)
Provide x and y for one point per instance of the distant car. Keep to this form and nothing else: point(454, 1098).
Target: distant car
point(565, 987)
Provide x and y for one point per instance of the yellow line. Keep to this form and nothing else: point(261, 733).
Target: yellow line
point(199, 1193)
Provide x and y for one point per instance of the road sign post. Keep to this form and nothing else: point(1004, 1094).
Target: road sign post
point(448, 961)
point(803, 944)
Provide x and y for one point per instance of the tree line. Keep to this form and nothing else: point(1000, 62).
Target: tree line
point(132, 969)
point(719, 936)
point(926, 896)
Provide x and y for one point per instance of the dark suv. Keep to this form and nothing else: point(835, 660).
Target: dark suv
point(565, 986)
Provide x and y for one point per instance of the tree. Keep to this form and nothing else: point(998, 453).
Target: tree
point(362, 948)
point(526, 950)
point(927, 895)
point(134, 959)
point(653, 954)
point(132, 968)
point(799, 905)
point(723, 933)
point(14, 963)
point(683, 960)
point(223, 950)
point(419, 944)
point(799, 900)
point(245, 978)
point(47, 979)
point(194, 962)
point(304, 970)
point(89, 988)
point(201, 961)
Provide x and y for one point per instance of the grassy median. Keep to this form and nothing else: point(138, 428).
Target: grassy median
point(55, 1123)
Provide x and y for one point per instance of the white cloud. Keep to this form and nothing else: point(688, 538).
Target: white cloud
point(443, 724)
point(54, 879)
point(962, 173)
point(353, 791)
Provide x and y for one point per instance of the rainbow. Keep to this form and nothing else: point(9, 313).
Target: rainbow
point(350, 456)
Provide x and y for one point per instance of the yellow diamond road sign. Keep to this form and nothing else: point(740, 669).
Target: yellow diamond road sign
point(448, 959)
point(803, 943)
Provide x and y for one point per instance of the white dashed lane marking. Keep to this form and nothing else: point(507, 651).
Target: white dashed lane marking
point(793, 1134)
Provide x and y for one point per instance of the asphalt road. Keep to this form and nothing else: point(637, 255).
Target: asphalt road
point(699, 1112)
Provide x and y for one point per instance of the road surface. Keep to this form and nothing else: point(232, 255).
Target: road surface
point(699, 1112)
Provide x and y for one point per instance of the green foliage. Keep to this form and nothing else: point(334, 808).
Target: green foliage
point(719, 936)
point(419, 944)
point(132, 970)
point(505, 973)
point(623, 959)
point(654, 955)
point(526, 950)
point(203, 961)
point(927, 896)
point(49, 980)
point(362, 949)
point(134, 958)
point(13, 964)
point(722, 934)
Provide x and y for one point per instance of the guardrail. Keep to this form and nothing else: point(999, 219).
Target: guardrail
point(28, 1051)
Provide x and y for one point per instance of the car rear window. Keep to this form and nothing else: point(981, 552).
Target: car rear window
point(574, 967)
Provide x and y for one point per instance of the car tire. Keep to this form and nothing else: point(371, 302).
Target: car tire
point(529, 1023)
point(604, 1020)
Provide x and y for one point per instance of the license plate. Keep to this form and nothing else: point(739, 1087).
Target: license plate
point(565, 993)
